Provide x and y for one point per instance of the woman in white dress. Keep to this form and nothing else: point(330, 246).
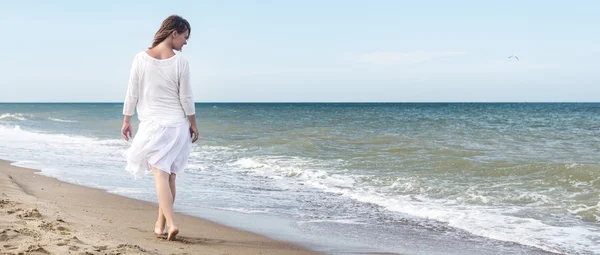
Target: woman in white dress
point(159, 89)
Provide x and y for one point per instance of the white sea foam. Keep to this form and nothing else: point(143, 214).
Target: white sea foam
point(479, 218)
point(341, 221)
point(17, 116)
point(38, 150)
point(61, 120)
point(242, 210)
point(28, 164)
point(126, 191)
point(295, 167)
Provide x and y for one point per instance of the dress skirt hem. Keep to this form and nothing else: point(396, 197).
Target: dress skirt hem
point(165, 147)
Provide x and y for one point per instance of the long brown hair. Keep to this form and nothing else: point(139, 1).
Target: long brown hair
point(169, 25)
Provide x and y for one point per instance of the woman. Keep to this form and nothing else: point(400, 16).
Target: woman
point(159, 89)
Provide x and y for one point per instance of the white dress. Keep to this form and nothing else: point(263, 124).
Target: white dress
point(160, 91)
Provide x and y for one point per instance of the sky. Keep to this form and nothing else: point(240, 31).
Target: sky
point(310, 51)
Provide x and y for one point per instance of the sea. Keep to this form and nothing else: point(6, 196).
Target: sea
point(353, 178)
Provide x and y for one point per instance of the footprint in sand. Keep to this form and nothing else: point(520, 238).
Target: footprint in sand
point(14, 210)
point(36, 250)
point(129, 247)
point(48, 226)
point(30, 214)
point(8, 234)
point(100, 248)
point(29, 232)
point(69, 242)
point(61, 228)
point(4, 202)
point(9, 247)
point(76, 240)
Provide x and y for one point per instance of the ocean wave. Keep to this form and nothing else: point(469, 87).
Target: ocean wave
point(61, 120)
point(587, 213)
point(242, 210)
point(295, 167)
point(475, 211)
point(340, 221)
point(17, 116)
point(487, 221)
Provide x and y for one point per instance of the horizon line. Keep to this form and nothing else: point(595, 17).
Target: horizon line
point(322, 102)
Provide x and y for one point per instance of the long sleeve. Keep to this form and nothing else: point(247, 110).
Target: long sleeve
point(132, 94)
point(186, 96)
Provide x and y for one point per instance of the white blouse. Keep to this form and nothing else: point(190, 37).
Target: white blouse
point(160, 90)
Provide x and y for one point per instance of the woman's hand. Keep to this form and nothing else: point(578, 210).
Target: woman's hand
point(194, 132)
point(126, 129)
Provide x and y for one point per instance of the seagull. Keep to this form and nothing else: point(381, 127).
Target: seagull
point(513, 56)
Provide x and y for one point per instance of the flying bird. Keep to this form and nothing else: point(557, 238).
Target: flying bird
point(513, 56)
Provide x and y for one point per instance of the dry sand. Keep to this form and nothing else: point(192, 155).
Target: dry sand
point(42, 215)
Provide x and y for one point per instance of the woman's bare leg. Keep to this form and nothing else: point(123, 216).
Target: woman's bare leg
point(159, 227)
point(165, 199)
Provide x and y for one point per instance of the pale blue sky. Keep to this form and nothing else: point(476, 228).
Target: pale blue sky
point(310, 51)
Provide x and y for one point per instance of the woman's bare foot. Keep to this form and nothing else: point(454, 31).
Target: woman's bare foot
point(173, 231)
point(159, 229)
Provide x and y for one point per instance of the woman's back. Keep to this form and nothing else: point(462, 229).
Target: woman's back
point(162, 89)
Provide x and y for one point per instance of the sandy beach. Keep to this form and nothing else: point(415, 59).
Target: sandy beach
point(42, 215)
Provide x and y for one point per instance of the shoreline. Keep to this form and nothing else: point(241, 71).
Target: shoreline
point(45, 215)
